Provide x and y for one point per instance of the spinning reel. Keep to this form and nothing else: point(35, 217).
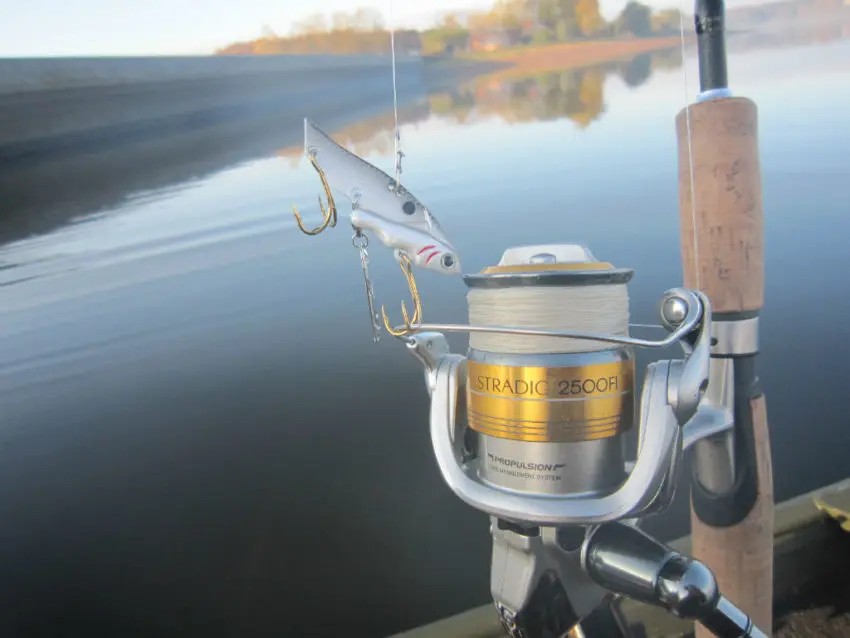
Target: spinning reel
point(542, 453)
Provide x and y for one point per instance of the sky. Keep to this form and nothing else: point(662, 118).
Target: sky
point(45, 28)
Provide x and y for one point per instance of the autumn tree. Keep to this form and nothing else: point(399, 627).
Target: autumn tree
point(448, 36)
point(482, 21)
point(636, 18)
point(548, 13)
point(589, 19)
point(559, 17)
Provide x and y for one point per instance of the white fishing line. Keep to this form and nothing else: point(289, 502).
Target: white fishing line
point(690, 146)
point(596, 308)
point(397, 138)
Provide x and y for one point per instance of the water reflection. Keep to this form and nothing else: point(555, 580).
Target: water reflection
point(577, 94)
point(574, 94)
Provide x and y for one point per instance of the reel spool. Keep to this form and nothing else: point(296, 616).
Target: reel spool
point(550, 413)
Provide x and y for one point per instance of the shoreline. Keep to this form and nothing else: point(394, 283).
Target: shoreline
point(572, 55)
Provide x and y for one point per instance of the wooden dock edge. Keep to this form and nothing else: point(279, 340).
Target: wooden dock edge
point(810, 551)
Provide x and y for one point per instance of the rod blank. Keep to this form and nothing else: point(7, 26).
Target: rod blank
point(710, 26)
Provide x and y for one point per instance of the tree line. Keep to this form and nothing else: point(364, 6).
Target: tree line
point(362, 31)
point(509, 23)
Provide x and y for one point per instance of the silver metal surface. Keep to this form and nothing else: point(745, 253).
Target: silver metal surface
point(667, 491)
point(627, 561)
point(691, 375)
point(624, 560)
point(714, 94)
point(673, 311)
point(584, 467)
point(739, 337)
point(711, 431)
point(423, 243)
point(554, 468)
point(519, 561)
point(571, 253)
point(715, 412)
point(661, 418)
point(714, 460)
point(695, 303)
point(361, 243)
point(395, 215)
point(736, 620)
point(687, 588)
point(429, 348)
point(663, 439)
point(543, 258)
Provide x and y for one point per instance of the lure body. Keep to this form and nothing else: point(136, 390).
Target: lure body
point(381, 205)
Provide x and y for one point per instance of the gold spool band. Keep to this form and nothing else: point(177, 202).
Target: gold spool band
point(551, 404)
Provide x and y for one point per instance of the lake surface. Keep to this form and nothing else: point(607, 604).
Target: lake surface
point(200, 438)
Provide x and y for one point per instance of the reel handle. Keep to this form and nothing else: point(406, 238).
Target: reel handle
point(627, 561)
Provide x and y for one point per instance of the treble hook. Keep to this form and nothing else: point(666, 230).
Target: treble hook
point(330, 215)
point(407, 269)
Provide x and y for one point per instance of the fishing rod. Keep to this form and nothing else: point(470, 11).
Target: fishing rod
point(550, 386)
point(722, 238)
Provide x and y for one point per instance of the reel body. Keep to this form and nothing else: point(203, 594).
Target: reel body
point(550, 426)
point(542, 449)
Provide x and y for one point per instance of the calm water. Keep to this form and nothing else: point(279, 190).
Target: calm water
point(199, 437)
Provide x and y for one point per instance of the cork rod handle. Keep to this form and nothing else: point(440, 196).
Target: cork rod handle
point(722, 236)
